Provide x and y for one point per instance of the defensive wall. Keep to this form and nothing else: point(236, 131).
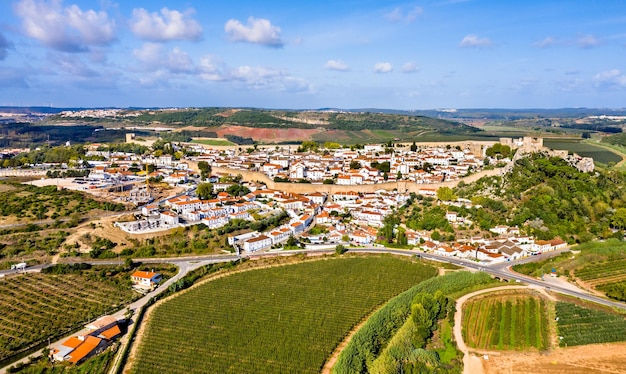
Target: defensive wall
point(302, 188)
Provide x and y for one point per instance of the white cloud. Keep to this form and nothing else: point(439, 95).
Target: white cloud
point(610, 79)
point(153, 58)
point(5, 45)
point(410, 67)
point(336, 65)
point(398, 15)
point(256, 31)
point(547, 42)
point(383, 67)
point(587, 41)
point(263, 78)
point(210, 69)
point(166, 26)
point(67, 29)
point(473, 40)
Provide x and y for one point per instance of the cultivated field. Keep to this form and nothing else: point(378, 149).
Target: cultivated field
point(284, 319)
point(595, 265)
point(578, 325)
point(215, 142)
point(506, 322)
point(608, 277)
point(37, 306)
point(599, 154)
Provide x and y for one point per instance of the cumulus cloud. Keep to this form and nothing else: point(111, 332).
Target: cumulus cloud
point(211, 69)
point(153, 57)
point(398, 14)
point(166, 26)
point(256, 31)
point(546, 42)
point(410, 67)
point(383, 67)
point(587, 41)
point(164, 65)
point(472, 40)
point(257, 77)
point(5, 45)
point(68, 29)
point(610, 79)
point(336, 65)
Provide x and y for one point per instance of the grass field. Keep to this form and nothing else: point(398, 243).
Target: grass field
point(37, 306)
point(283, 319)
point(578, 325)
point(599, 154)
point(506, 322)
point(217, 142)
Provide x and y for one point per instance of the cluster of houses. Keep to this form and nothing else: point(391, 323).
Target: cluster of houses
point(489, 251)
point(352, 167)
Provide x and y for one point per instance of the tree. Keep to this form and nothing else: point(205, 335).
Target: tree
point(435, 235)
point(446, 194)
point(619, 218)
point(291, 242)
point(498, 151)
point(340, 249)
point(355, 164)
point(413, 147)
point(205, 169)
point(402, 239)
point(204, 191)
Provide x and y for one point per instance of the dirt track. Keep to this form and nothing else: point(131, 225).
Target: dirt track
point(597, 358)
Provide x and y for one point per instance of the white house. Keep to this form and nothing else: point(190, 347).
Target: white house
point(255, 244)
point(145, 279)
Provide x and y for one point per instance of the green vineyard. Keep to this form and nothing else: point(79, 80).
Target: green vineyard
point(284, 319)
point(578, 325)
point(37, 306)
point(506, 322)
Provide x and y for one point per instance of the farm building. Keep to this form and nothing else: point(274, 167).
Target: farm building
point(145, 279)
point(78, 348)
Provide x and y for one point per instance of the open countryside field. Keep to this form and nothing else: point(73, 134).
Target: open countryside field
point(598, 153)
point(37, 306)
point(599, 266)
point(284, 319)
point(506, 321)
point(215, 142)
point(578, 325)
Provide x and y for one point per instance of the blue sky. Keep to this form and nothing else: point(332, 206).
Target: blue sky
point(301, 55)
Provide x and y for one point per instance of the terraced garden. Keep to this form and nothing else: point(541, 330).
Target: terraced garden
point(284, 319)
point(506, 322)
point(578, 325)
point(37, 306)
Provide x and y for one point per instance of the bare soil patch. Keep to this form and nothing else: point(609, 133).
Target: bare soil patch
point(267, 135)
point(597, 358)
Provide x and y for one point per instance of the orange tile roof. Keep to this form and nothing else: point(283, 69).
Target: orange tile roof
point(111, 333)
point(144, 274)
point(90, 343)
point(72, 342)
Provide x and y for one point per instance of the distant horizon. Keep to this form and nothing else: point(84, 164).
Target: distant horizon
point(293, 55)
point(441, 109)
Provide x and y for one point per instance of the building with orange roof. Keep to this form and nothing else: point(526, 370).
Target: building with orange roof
point(91, 345)
point(145, 279)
